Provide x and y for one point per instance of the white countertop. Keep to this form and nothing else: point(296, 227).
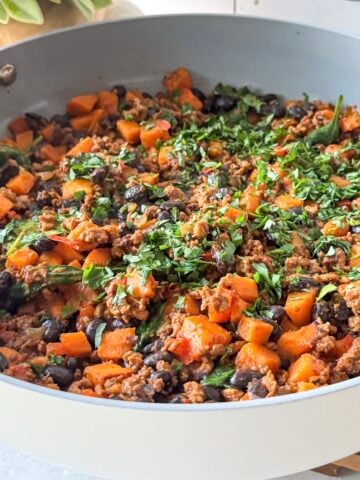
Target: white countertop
point(338, 15)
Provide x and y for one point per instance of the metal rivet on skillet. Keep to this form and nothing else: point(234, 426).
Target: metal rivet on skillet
point(7, 74)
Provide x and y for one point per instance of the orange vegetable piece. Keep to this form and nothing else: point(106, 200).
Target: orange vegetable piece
point(22, 183)
point(18, 125)
point(181, 348)
point(350, 122)
point(87, 122)
point(47, 132)
point(233, 213)
point(98, 256)
point(244, 287)
point(179, 78)
point(354, 256)
point(237, 308)
point(129, 130)
point(50, 153)
point(331, 228)
point(11, 354)
point(191, 305)
point(75, 264)
point(78, 185)
point(50, 258)
point(288, 326)
point(87, 392)
point(356, 203)
point(55, 348)
point(164, 156)
point(87, 311)
point(341, 346)
point(158, 133)
point(132, 95)
point(149, 178)
point(24, 140)
point(115, 344)
point(67, 253)
point(81, 105)
point(340, 181)
point(5, 205)
point(254, 330)
point(203, 335)
point(250, 199)
point(220, 306)
point(286, 202)
point(280, 150)
point(76, 344)
point(299, 305)
point(306, 368)
point(138, 288)
point(108, 101)
point(21, 258)
point(292, 344)
point(305, 386)
point(84, 146)
point(187, 97)
point(99, 373)
point(257, 357)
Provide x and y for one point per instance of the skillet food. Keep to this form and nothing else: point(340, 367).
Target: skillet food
point(181, 248)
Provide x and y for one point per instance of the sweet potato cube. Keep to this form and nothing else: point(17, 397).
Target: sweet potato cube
point(99, 373)
point(254, 330)
point(306, 368)
point(81, 105)
point(76, 344)
point(292, 344)
point(22, 183)
point(299, 305)
point(115, 344)
point(257, 357)
point(286, 202)
point(129, 130)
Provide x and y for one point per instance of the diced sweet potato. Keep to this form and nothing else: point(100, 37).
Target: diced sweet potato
point(18, 125)
point(24, 140)
point(186, 97)
point(22, 183)
point(78, 185)
point(233, 213)
point(132, 95)
point(203, 335)
point(254, 330)
point(76, 344)
point(99, 373)
point(67, 253)
point(350, 122)
point(48, 132)
point(237, 307)
point(49, 153)
point(181, 348)
point(98, 256)
point(299, 305)
point(81, 105)
point(84, 146)
point(164, 156)
point(305, 386)
point(354, 256)
point(250, 199)
point(108, 101)
point(286, 202)
point(158, 133)
point(332, 228)
point(191, 305)
point(220, 305)
point(306, 368)
point(257, 357)
point(115, 344)
point(55, 348)
point(148, 178)
point(140, 289)
point(179, 78)
point(5, 205)
point(129, 130)
point(341, 346)
point(21, 258)
point(244, 287)
point(340, 181)
point(11, 354)
point(50, 258)
point(293, 344)
point(287, 325)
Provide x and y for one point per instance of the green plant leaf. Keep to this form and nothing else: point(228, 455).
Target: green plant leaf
point(4, 16)
point(99, 333)
point(218, 377)
point(26, 11)
point(329, 288)
point(329, 133)
point(86, 7)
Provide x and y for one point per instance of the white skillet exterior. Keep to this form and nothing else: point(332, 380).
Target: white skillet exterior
point(127, 441)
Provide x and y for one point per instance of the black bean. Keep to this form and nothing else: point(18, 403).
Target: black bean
point(136, 194)
point(257, 388)
point(341, 313)
point(36, 121)
point(74, 363)
point(120, 91)
point(268, 97)
point(355, 229)
point(272, 108)
point(122, 215)
point(79, 134)
point(302, 283)
point(4, 364)
point(164, 217)
point(71, 203)
point(109, 123)
point(276, 312)
point(211, 394)
point(62, 120)
point(147, 95)
point(62, 376)
point(241, 378)
point(99, 175)
point(43, 244)
point(296, 112)
point(169, 204)
point(165, 377)
point(53, 329)
point(285, 363)
point(310, 107)
point(151, 112)
point(276, 331)
point(117, 323)
point(5, 282)
point(321, 310)
point(154, 346)
point(222, 103)
point(296, 210)
point(91, 328)
point(198, 93)
point(207, 104)
point(152, 359)
point(176, 399)
point(8, 173)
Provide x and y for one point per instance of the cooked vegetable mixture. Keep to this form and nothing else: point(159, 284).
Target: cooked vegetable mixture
point(181, 248)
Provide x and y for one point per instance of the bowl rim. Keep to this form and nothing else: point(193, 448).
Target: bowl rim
point(201, 407)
